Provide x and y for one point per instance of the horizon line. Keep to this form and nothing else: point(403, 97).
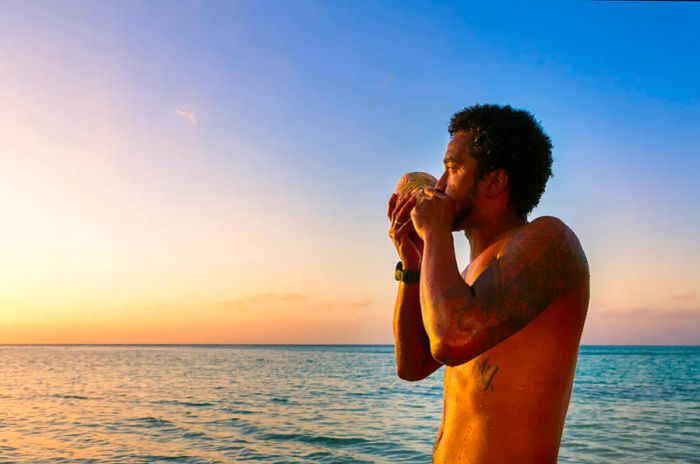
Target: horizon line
point(289, 344)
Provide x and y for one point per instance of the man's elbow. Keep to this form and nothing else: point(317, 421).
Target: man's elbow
point(452, 352)
point(410, 375)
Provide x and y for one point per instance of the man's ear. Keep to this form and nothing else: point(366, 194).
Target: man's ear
point(495, 182)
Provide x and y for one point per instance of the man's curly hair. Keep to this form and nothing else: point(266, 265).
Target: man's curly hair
point(512, 139)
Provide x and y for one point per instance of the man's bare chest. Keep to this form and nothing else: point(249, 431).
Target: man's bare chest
point(482, 262)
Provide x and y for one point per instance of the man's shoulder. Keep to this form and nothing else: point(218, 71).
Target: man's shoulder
point(550, 227)
point(547, 235)
point(549, 222)
point(558, 241)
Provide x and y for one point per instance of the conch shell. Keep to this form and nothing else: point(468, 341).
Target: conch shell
point(414, 183)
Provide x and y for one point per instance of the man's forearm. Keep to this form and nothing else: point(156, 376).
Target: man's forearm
point(412, 347)
point(439, 272)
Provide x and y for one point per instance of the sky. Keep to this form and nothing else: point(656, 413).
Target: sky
point(219, 171)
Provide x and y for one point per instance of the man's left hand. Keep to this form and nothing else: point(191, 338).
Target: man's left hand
point(433, 214)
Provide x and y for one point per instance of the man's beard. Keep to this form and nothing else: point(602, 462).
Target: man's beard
point(459, 217)
point(465, 210)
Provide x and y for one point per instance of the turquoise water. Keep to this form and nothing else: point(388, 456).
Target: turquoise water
point(287, 404)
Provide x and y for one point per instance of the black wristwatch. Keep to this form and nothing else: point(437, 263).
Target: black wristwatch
point(407, 277)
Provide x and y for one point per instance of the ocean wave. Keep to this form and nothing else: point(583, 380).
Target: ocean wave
point(193, 404)
point(331, 442)
point(151, 421)
point(71, 397)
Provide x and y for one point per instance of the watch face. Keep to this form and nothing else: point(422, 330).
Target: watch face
point(408, 277)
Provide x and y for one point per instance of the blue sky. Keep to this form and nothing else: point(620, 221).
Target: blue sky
point(264, 138)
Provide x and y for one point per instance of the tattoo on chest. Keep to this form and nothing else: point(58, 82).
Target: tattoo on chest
point(484, 372)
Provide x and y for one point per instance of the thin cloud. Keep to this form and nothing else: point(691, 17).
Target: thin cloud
point(348, 304)
point(258, 299)
point(186, 113)
point(685, 297)
point(688, 314)
point(268, 297)
point(360, 303)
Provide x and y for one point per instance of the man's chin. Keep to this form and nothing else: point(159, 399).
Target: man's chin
point(458, 227)
point(458, 224)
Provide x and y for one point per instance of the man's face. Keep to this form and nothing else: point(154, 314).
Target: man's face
point(458, 180)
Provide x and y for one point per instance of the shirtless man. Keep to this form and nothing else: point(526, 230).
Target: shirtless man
point(508, 328)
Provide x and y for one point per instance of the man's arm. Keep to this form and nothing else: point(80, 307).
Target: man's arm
point(540, 262)
point(412, 347)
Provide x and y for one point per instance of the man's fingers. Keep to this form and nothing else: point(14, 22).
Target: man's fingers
point(399, 232)
point(404, 228)
point(397, 208)
point(402, 214)
point(392, 202)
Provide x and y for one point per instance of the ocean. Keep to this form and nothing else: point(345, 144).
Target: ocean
point(311, 404)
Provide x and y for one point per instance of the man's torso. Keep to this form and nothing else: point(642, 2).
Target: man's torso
point(509, 403)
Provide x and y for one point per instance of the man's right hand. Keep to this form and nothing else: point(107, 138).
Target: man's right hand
point(407, 242)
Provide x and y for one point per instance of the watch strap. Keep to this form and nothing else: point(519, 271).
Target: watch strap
point(407, 277)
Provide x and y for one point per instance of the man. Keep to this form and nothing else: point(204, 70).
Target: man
point(508, 327)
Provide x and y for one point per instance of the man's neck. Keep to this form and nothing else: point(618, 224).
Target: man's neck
point(490, 231)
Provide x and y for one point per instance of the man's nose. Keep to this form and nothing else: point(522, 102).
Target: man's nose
point(441, 184)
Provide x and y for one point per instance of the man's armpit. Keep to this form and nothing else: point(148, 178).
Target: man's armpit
point(540, 263)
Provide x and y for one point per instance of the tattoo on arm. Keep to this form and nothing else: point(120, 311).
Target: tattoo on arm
point(539, 263)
